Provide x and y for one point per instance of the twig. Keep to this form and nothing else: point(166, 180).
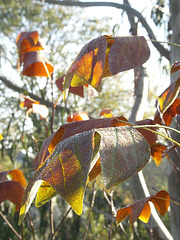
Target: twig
point(31, 224)
point(60, 224)
point(51, 220)
point(22, 231)
point(91, 208)
point(10, 226)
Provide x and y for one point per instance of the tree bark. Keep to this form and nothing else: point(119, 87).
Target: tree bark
point(174, 177)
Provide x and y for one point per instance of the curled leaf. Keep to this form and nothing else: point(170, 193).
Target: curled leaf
point(175, 67)
point(16, 175)
point(157, 149)
point(141, 209)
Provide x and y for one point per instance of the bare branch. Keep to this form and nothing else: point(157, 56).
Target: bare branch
point(14, 87)
point(163, 51)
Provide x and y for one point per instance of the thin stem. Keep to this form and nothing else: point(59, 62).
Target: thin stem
point(31, 224)
point(22, 231)
point(61, 223)
point(10, 226)
point(91, 208)
point(51, 220)
point(169, 43)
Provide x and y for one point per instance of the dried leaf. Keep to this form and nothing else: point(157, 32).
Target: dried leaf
point(36, 65)
point(105, 56)
point(157, 150)
point(12, 191)
point(66, 169)
point(80, 116)
point(166, 99)
point(142, 210)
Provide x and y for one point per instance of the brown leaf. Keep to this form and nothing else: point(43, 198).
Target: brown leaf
point(157, 150)
point(150, 137)
point(36, 65)
point(12, 191)
point(142, 210)
point(175, 67)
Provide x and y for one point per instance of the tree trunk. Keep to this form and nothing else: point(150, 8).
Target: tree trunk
point(174, 177)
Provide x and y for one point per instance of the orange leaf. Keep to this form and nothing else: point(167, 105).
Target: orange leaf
point(26, 40)
point(156, 152)
point(175, 67)
point(142, 210)
point(74, 90)
point(16, 174)
point(80, 116)
point(96, 170)
point(169, 114)
point(12, 191)
point(36, 65)
point(166, 99)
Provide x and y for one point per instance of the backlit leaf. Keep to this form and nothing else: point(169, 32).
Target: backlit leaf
point(169, 114)
point(166, 99)
point(142, 210)
point(156, 152)
point(105, 56)
point(1, 137)
point(36, 65)
point(26, 40)
point(66, 169)
point(106, 113)
point(74, 90)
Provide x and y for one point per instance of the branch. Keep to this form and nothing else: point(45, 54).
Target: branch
point(163, 51)
point(14, 87)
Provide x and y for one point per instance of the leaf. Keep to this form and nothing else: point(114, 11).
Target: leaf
point(166, 99)
point(16, 175)
point(66, 168)
point(105, 56)
point(106, 113)
point(27, 40)
point(74, 90)
point(12, 191)
point(169, 114)
point(175, 67)
point(150, 137)
point(1, 137)
point(36, 65)
point(142, 210)
point(33, 106)
point(80, 116)
point(156, 152)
